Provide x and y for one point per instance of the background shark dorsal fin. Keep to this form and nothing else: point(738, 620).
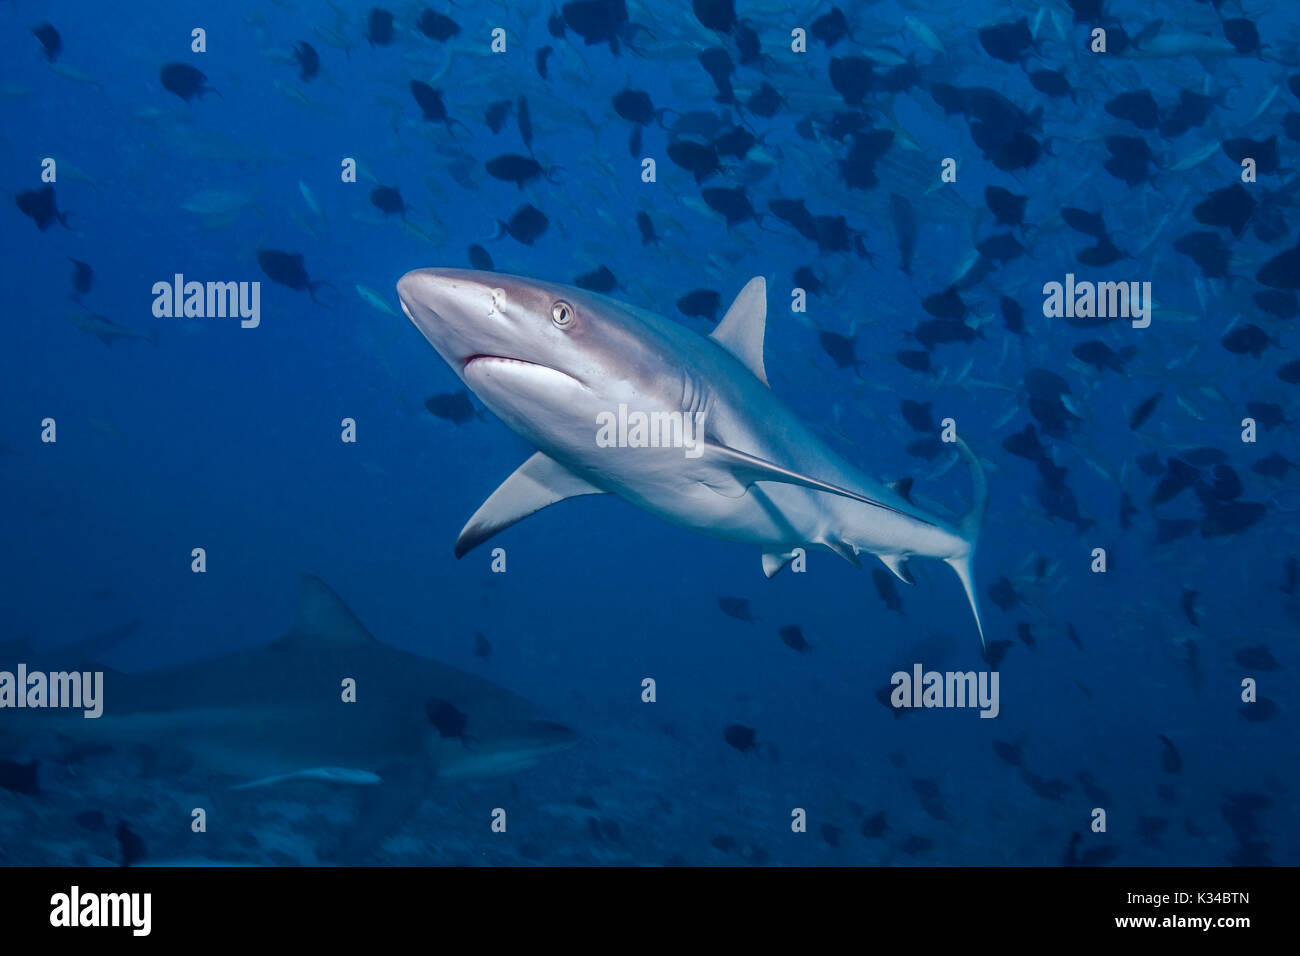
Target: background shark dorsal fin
point(741, 330)
point(537, 483)
point(323, 617)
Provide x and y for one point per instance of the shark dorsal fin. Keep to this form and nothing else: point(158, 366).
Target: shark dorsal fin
point(323, 617)
point(741, 330)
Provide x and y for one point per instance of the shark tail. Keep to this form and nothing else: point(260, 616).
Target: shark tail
point(964, 562)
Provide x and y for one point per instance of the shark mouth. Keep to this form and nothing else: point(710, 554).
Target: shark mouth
point(482, 358)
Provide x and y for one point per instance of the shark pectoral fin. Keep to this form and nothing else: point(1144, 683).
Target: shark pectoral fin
point(746, 469)
point(741, 330)
point(898, 564)
point(774, 561)
point(538, 482)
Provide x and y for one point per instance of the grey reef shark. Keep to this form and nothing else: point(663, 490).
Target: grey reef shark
point(275, 716)
point(721, 453)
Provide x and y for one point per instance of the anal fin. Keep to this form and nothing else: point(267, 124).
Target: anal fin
point(898, 564)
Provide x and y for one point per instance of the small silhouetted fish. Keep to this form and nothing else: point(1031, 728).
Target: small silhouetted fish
point(1088, 223)
point(1059, 502)
point(130, 845)
point(1007, 41)
point(527, 224)
point(718, 65)
point(874, 827)
point(431, 105)
point(792, 637)
point(286, 268)
point(1192, 110)
point(454, 407)
point(1279, 303)
point(524, 120)
point(702, 303)
point(482, 646)
point(920, 415)
point(1102, 357)
point(852, 77)
point(1282, 271)
point(1025, 634)
point(1001, 248)
point(1144, 410)
point(387, 200)
point(1138, 107)
point(1274, 466)
point(185, 81)
point(914, 359)
point(83, 277)
point(1129, 158)
point(634, 106)
point(736, 607)
point(1263, 709)
point(1004, 594)
point(1247, 340)
point(1230, 517)
point(743, 738)
point(794, 212)
point(857, 168)
point(764, 101)
point(51, 42)
point(1048, 789)
point(934, 332)
point(884, 582)
point(1242, 34)
point(479, 258)
point(1008, 753)
point(996, 652)
point(806, 279)
point(449, 721)
point(717, 15)
point(647, 228)
point(833, 233)
point(513, 168)
point(379, 27)
point(18, 777)
point(1013, 315)
point(735, 142)
point(1127, 511)
point(598, 280)
point(1207, 250)
point(946, 305)
point(1051, 82)
point(830, 28)
point(904, 220)
point(496, 113)
point(1290, 372)
point(1232, 206)
point(1189, 607)
point(840, 348)
point(915, 845)
point(1257, 658)
point(1263, 152)
point(539, 60)
point(308, 60)
point(1007, 207)
point(1102, 254)
point(436, 26)
point(747, 43)
point(699, 159)
point(732, 203)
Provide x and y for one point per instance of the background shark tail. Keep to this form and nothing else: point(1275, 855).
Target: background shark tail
point(964, 563)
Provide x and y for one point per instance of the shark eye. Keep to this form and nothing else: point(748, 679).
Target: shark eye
point(562, 314)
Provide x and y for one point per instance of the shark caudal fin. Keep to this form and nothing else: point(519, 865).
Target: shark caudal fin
point(963, 563)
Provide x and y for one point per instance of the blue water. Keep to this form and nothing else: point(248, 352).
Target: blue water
point(227, 438)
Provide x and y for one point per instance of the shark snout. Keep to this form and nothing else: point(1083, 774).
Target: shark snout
point(459, 311)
